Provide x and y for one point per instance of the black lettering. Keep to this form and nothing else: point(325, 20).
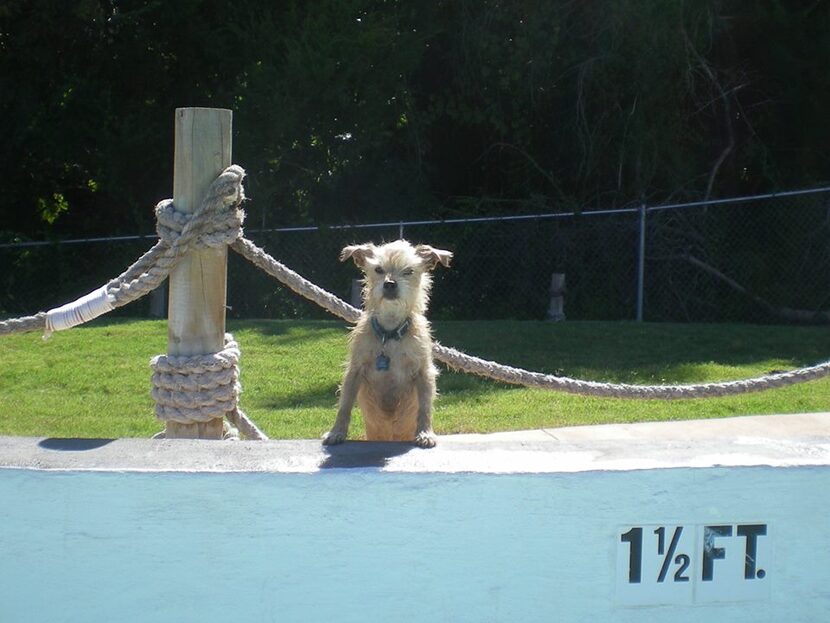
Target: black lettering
point(667, 559)
point(683, 560)
point(661, 540)
point(751, 533)
point(634, 538)
point(710, 552)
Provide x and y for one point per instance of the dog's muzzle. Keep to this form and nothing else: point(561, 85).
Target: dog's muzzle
point(390, 289)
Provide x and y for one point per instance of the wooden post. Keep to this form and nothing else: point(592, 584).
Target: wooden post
point(198, 283)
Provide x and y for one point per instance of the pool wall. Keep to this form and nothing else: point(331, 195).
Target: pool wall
point(540, 530)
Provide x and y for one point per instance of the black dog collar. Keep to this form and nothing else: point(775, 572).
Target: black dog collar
point(395, 334)
point(382, 361)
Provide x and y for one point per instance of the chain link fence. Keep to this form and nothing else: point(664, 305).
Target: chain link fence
point(763, 259)
point(757, 259)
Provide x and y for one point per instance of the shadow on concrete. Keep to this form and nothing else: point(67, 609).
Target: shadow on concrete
point(73, 445)
point(356, 454)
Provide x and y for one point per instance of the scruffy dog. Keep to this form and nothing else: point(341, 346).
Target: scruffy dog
point(390, 371)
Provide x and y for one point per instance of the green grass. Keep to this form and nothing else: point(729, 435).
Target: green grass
point(94, 381)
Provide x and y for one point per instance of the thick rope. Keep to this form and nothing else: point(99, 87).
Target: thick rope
point(516, 376)
point(218, 221)
point(201, 388)
point(198, 388)
point(237, 425)
point(24, 324)
point(186, 389)
point(86, 308)
point(294, 281)
point(245, 425)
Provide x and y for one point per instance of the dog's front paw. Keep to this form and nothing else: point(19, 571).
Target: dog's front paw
point(334, 437)
point(425, 439)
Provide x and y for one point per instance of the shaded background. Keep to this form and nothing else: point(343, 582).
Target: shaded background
point(354, 111)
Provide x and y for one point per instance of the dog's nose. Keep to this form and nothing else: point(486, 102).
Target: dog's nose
point(390, 285)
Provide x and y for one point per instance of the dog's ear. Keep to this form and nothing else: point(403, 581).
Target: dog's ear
point(358, 252)
point(432, 256)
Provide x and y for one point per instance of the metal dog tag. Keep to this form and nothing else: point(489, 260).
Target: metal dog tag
point(382, 362)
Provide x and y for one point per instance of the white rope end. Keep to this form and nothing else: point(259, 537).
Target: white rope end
point(86, 308)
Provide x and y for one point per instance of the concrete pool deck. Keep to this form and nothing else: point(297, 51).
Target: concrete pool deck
point(772, 440)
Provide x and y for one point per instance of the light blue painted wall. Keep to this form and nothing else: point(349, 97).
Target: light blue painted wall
point(363, 545)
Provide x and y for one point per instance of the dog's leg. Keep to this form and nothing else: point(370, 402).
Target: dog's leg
point(348, 395)
point(425, 386)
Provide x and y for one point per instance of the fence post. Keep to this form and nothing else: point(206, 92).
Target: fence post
point(198, 283)
point(356, 293)
point(556, 306)
point(641, 263)
point(158, 301)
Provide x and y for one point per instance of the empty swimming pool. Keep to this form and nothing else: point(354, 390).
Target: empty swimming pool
point(473, 531)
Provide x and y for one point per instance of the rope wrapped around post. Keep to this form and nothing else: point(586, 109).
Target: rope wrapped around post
point(219, 221)
point(201, 388)
point(186, 389)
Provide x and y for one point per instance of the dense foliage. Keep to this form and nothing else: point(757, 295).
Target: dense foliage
point(366, 109)
point(379, 110)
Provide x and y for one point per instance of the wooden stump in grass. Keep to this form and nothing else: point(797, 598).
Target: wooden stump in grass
point(556, 307)
point(198, 283)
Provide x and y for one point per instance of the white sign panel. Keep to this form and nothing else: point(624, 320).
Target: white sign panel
point(693, 564)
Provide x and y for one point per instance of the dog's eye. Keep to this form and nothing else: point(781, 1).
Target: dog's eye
point(407, 272)
point(378, 270)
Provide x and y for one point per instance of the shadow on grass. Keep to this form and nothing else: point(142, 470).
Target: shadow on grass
point(322, 396)
point(459, 388)
point(453, 388)
point(287, 332)
point(626, 350)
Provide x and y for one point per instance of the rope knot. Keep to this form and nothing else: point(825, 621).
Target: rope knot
point(217, 222)
point(198, 388)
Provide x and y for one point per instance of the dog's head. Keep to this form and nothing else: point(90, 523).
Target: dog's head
point(396, 274)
